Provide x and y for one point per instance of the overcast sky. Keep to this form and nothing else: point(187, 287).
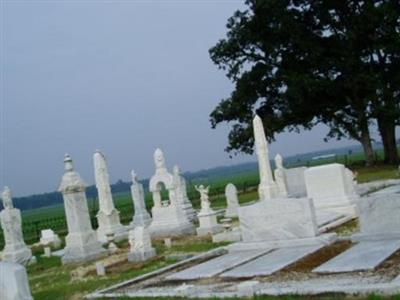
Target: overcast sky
point(125, 77)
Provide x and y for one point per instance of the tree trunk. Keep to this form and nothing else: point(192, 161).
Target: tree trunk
point(387, 130)
point(365, 140)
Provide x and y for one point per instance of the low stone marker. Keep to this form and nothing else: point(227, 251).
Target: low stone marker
point(14, 284)
point(49, 238)
point(100, 268)
point(232, 201)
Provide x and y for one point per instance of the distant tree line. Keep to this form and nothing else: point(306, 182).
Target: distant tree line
point(299, 63)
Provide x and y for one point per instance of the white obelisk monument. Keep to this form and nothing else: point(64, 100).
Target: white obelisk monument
point(108, 216)
point(267, 188)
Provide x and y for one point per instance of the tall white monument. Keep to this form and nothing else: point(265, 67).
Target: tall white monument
point(81, 242)
point(108, 216)
point(141, 216)
point(180, 193)
point(15, 250)
point(14, 284)
point(280, 176)
point(267, 188)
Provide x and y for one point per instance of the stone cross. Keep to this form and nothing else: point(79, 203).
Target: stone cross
point(107, 217)
point(15, 249)
point(267, 188)
point(141, 216)
point(81, 242)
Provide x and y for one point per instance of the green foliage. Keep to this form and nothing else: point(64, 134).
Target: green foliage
point(299, 63)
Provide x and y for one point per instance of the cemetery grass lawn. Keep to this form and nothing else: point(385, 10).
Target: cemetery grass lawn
point(378, 172)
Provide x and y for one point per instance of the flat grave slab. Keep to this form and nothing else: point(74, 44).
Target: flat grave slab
point(271, 262)
point(366, 255)
point(325, 217)
point(217, 265)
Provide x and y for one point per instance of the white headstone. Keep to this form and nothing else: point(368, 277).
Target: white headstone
point(267, 188)
point(81, 242)
point(207, 216)
point(296, 183)
point(141, 248)
point(14, 284)
point(100, 268)
point(278, 219)
point(15, 249)
point(170, 218)
point(49, 238)
point(141, 216)
point(47, 251)
point(280, 176)
point(379, 215)
point(232, 200)
point(331, 187)
point(107, 217)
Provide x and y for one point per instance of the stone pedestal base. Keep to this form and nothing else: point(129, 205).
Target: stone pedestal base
point(17, 254)
point(208, 223)
point(14, 284)
point(141, 256)
point(82, 248)
point(170, 221)
point(110, 223)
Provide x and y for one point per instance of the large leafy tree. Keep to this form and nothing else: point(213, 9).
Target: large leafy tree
point(300, 63)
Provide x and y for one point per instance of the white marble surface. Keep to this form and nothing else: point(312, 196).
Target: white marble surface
point(232, 201)
point(363, 256)
point(217, 265)
point(49, 238)
point(331, 186)
point(81, 242)
point(280, 177)
point(278, 219)
point(107, 216)
point(141, 216)
point(379, 214)
point(14, 284)
point(296, 183)
point(15, 249)
point(267, 188)
point(141, 247)
point(271, 262)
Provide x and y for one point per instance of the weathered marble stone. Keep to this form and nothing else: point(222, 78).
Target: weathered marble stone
point(14, 284)
point(81, 242)
point(169, 217)
point(280, 176)
point(141, 248)
point(108, 216)
point(49, 238)
point(267, 188)
point(47, 252)
point(366, 255)
point(379, 215)
point(271, 262)
point(207, 216)
point(180, 193)
point(15, 249)
point(217, 265)
point(141, 216)
point(296, 183)
point(278, 219)
point(232, 201)
point(100, 268)
point(331, 187)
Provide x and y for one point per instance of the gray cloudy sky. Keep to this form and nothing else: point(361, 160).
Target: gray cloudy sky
point(121, 76)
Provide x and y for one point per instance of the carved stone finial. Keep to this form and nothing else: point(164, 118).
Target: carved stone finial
point(68, 164)
point(134, 176)
point(279, 161)
point(159, 159)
